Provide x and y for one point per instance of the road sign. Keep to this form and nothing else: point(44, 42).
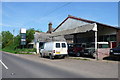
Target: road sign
point(23, 36)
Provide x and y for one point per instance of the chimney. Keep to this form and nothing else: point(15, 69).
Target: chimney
point(50, 27)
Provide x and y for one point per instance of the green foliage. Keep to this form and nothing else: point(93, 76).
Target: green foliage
point(13, 44)
point(30, 35)
point(6, 38)
point(26, 50)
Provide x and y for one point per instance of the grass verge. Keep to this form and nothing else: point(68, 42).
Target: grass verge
point(76, 58)
point(20, 51)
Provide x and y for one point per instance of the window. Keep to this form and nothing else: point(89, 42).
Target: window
point(57, 45)
point(103, 46)
point(42, 47)
point(112, 37)
point(41, 44)
point(63, 45)
point(118, 46)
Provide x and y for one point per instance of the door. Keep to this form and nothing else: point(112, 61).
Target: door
point(58, 48)
point(63, 48)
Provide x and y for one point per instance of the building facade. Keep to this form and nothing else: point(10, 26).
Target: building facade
point(78, 30)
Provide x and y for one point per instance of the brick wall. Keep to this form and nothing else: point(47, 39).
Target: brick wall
point(118, 36)
point(103, 52)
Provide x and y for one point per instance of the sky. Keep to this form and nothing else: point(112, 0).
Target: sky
point(37, 15)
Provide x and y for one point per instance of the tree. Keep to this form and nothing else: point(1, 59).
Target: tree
point(6, 37)
point(13, 44)
point(30, 35)
point(16, 42)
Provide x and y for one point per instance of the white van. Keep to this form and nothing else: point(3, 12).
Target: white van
point(53, 49)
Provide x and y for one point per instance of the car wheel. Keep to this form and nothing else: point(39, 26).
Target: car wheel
point(41, 55)
point(78, 54)
point(61, 56)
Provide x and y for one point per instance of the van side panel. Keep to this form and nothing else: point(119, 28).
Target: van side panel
point(49, 48)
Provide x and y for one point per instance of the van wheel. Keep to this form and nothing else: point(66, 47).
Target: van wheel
point(42, 56)
point(64, 57)
point(51, 57)
point(78, 54)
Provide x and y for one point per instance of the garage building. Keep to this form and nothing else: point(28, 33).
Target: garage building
point(78, 30)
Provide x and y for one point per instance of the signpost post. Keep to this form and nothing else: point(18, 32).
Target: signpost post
point(95, 30)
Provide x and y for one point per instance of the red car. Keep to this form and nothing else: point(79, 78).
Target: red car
point(75, 49)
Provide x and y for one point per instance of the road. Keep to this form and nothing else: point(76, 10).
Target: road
point(32, 66)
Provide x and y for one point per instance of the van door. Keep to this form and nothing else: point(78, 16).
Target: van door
point(63, 48)
point(58, 48)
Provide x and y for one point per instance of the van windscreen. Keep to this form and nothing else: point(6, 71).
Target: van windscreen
point(63, 45)
point(57, 45)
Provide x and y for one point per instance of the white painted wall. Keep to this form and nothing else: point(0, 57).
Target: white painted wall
point(37, 47)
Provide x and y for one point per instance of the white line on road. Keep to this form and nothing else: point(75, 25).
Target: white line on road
point(4, 65)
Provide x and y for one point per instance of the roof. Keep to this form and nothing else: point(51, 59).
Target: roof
point(82, 29)
point(84, 20)
point(46, 37)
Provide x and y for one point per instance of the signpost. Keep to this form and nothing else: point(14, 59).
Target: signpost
point(23, 37)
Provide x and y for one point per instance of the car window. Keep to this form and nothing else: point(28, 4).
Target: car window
point(42, 47)
point(41, 44)
point(63, 45)
point(103, 46)
point(57, 45)
point(118, 46)
point(78, 45)
point(70, 45)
